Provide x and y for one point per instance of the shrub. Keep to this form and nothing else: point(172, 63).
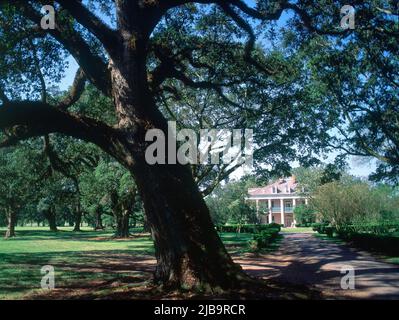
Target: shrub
point(264, 238)
point(274, 225)
point(372, 236)
point(329, 231)
point(382, 228)
point(247, 228)
point(318, 226)
point(324, 228)
point(387, 244)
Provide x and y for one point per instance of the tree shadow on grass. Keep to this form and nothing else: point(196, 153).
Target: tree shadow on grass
point(108, 275)
point(20, 273)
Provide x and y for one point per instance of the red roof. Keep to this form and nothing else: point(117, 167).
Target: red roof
point(284, 185)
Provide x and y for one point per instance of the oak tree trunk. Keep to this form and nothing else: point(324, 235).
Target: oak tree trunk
point(122, 225)
point(11, 222)
point(98, 224)
point(50, 215)
point(188, 249)
point(78, 218)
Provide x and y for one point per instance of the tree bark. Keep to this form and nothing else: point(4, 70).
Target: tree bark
point(98, 224)
point(146, 225)
point(122, 225)
point(11, 222)
point(189, 252)
point(78, 218)
point(122, 206)
point(51, 218)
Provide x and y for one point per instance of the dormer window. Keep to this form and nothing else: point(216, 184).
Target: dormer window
point(274, 189)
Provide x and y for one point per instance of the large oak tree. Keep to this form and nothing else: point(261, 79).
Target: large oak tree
point(132, 62)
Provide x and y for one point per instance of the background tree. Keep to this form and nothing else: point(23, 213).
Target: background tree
point(110, 188)
point(304, 215)
point(359, 78)
point(18, 182)
point(353, 201)
point(227, 203)
point(310, 178)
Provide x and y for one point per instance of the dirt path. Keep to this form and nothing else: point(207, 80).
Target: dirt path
point(303, 259)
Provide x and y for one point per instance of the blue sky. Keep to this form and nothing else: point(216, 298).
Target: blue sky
point(361, 167)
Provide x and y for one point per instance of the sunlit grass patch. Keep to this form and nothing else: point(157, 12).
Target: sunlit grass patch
point(297, 230)
point(83, 261)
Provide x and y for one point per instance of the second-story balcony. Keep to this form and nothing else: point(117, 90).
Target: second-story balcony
point(278, 209)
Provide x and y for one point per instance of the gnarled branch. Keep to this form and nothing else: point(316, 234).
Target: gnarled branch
point(32, 119)
point(75, 92)
point(86, 18)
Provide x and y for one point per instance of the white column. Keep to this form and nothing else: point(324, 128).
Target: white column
point(306, 201)
point(293, 207)
point(269, 208)
point(282, 211)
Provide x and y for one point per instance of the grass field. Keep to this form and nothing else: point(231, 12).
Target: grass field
point(82, 258)
point(297, 230)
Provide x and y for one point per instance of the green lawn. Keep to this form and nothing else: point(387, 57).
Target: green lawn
point(297, 230)
point(394, 260)
point(79, 258)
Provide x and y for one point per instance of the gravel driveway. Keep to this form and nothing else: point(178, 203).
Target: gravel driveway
point(304, 259)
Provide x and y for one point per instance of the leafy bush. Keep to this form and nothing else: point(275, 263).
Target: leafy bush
point(304, 215)
point(324, 228)
point(329, 231)
point(318, 226)
point(263, 234)
point(274, 226)
point(263, 239)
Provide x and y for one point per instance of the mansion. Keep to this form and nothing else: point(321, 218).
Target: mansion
point(276, 201)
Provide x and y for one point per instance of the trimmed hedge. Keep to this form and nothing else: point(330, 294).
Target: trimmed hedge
point(382, 228)
point(304, 225)
point(248, 228)
point(376, 237)
point(387, 244)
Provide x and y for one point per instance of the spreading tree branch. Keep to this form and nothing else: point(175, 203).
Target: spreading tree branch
point(86, 18)
point(75, 92)
point(27, 119)
point(93, 65)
